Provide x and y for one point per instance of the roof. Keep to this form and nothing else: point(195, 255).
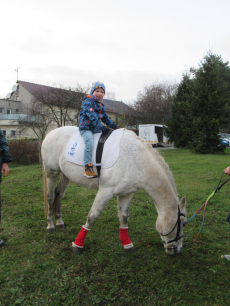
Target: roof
point(118, 106)
point(110, 105)
point(34, 88)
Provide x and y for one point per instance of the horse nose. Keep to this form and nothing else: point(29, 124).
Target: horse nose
point(172, 252)
point(179, 250)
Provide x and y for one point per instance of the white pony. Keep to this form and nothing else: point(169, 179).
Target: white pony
point(138, 166)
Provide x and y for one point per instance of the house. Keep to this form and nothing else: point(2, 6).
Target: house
point(9, 116)
point(15, 108)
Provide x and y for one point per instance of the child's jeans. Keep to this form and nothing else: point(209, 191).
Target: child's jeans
point(87, 136)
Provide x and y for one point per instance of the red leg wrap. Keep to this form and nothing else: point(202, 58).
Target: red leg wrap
point(124, 236)
point(81, 237)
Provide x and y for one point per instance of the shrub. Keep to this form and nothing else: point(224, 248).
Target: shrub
point(24, 151)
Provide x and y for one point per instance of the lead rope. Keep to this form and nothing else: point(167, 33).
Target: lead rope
point(205, 205)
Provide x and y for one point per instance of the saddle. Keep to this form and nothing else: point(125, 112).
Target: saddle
point(105, 152)
point(100, 147)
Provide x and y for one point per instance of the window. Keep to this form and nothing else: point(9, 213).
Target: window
point(4, 132)
point(1, 110)
point(16, 110)
point(12, 133)
point(8, 111)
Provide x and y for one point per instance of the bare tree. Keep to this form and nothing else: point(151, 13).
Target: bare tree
point(52, 107)
point(63, 104)
point(132, 118)
point(55, 106)
point(153, 105)
point(38, 120)
point(110, 95)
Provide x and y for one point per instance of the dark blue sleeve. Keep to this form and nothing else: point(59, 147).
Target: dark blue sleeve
point(105, 118)
point(5, 154)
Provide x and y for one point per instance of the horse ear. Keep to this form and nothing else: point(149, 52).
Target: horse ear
point(183, 203)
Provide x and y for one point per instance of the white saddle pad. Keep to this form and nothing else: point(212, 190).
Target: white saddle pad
point(75, 149)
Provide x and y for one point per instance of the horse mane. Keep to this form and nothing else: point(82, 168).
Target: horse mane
point(161, 161)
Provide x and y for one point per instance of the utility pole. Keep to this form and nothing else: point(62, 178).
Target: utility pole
point(17, 71)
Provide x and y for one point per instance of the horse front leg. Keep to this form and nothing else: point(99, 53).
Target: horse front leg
point(123, 214)
point(101, 199)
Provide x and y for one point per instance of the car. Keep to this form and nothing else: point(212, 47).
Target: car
point(225, 140)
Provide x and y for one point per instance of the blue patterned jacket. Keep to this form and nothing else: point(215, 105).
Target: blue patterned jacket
point(5, 156)
point(91, 113)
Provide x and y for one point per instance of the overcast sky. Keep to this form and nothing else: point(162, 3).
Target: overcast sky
point(126, 44)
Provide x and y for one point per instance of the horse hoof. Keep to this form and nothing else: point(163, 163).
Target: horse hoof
point(60, 225)
point(131, 250)
point(2, 243)
point(77, 250)
point(50, 230)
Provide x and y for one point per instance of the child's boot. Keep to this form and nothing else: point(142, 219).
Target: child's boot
point(89, 173)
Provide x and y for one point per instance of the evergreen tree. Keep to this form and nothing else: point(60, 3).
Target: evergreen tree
point(201, 107)
point(179, 124)
point(209, 104)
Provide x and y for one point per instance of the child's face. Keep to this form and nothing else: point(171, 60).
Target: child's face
point(99, 93)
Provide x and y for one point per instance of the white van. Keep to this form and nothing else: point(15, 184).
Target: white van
point(153, 134)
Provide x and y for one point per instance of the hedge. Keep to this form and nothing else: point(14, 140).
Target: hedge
point(24, 151)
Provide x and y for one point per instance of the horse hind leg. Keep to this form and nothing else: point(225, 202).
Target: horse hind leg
point(59, 194)
point(50, 178)
point(123, 214)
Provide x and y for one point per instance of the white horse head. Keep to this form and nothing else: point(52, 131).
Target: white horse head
point(171, 230)
point(138, 166)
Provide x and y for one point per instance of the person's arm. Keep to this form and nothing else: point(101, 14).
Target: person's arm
point(106, 120)
point(5, 153)
point(227, 171)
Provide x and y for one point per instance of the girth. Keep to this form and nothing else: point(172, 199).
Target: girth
point(100, 147)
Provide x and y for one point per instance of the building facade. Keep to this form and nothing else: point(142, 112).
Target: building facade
point(20, 102)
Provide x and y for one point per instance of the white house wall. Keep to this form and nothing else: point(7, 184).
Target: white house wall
point(13, 105)
point(25, 96)
point(21, 99)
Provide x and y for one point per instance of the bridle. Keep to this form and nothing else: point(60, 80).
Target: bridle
point(178, 222)
point(178, 237)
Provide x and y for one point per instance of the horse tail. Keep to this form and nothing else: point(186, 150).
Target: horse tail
point(45, 190)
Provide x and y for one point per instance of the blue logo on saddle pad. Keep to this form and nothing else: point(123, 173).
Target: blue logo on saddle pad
point(72, 149)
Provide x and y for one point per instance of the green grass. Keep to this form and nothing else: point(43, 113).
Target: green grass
point(37, 268)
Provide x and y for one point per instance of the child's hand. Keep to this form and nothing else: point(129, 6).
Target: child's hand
point(227, 171)
point(104, 130)
point(114, 127)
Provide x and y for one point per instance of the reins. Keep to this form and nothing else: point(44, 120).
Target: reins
point(178, 223)
point(205, 205)
point(178, 237)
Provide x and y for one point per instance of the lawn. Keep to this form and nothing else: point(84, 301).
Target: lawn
point(37, 268)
